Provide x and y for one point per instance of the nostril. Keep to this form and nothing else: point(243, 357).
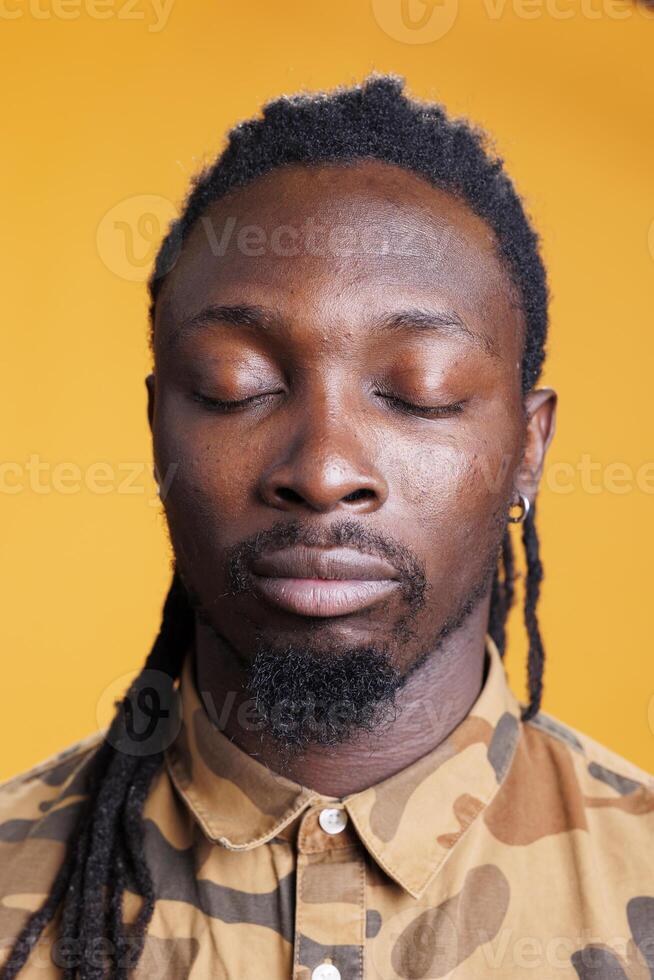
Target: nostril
point(287, 494)
point(359, 495)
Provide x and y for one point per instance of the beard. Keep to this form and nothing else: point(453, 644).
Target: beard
point(304, 700)
point(304, 695)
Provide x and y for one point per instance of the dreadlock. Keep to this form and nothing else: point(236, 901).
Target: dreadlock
point(376, 119)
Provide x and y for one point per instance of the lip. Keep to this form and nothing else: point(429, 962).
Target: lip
point(323, 582)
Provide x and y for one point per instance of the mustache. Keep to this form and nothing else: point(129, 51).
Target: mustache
point(344, 532)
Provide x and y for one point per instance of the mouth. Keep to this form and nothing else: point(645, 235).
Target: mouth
point(323, 582)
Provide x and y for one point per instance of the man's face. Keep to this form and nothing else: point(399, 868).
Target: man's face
point(386, 414)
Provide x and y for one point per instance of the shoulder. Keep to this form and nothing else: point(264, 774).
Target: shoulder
point(40, 802)
point(598, 762)
point(584, 784)
point(38, 815)
point(566, 791)
point(54, 769)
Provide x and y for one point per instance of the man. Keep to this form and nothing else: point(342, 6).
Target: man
point(348, 327)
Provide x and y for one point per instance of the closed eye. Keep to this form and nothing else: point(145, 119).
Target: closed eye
point(409, 408)
point(432, 411)
point(220, 405)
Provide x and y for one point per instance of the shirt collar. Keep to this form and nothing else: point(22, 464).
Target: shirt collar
point(409, 822)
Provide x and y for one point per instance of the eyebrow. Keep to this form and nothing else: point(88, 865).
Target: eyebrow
point(445, 322)
point(236, 315)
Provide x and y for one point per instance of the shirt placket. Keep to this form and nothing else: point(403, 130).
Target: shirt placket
point(330, 910)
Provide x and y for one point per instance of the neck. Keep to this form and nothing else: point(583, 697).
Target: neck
point(434, 700)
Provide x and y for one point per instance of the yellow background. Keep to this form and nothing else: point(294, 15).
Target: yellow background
point(107, 112)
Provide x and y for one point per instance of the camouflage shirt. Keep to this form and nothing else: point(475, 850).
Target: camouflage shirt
point(511, 850)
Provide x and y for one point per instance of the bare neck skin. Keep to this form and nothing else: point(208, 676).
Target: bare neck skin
point(434, 700)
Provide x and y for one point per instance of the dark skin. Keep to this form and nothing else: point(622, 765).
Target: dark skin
point(434, 472)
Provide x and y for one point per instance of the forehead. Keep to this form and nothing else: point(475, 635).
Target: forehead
point(333, 245)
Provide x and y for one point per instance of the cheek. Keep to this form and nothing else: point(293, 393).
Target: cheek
point(456, 492)
point(442, 492)
point(464, 477)
point(207, 483)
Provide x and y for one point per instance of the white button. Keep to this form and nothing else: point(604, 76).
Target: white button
point(332, 822)
point(326, 971)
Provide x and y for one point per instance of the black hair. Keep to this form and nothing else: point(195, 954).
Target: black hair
point(372, 120)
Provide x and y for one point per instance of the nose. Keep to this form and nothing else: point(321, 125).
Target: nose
point(324, 466)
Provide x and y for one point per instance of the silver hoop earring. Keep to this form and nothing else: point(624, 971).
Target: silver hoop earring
point(523, 503)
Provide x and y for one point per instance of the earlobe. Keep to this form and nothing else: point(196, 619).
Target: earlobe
point(149, 384)
point(525, 506)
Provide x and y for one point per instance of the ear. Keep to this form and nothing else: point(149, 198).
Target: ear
point(149, 384)
point(540, 407)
